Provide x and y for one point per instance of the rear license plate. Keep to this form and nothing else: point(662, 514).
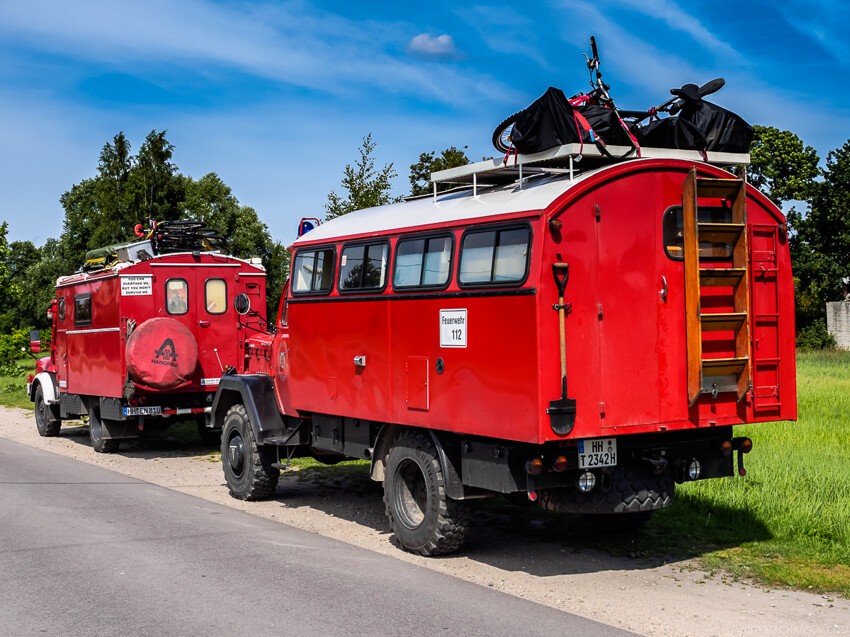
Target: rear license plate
point(142, 411)
point(597, 452)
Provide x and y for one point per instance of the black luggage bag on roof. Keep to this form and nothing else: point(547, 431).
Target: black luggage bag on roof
point(546, 123)
point(724, 131)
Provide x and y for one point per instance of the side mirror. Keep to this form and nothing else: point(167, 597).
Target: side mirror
point(242, 304)
point(35, 342)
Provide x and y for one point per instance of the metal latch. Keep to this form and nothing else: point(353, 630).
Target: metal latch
point(360, 361)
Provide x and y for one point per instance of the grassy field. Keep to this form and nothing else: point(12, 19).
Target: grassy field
point(13, 378)
point(786, 523)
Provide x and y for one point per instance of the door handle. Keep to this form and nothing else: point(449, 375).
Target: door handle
point(663, 291)
point(204, 323)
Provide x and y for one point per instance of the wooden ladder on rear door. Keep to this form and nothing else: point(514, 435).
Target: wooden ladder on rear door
point(736, 278)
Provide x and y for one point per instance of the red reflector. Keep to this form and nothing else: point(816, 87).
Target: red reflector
point(532, 495)
point(742, 471)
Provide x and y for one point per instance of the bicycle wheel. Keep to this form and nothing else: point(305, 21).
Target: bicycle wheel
point(502, 134)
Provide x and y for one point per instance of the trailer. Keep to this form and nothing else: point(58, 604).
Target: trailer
point(586, 334)
point(143, 342)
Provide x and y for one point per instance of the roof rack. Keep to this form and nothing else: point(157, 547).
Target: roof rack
point(565, 160)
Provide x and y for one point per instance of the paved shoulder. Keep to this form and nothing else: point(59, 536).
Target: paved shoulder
point(87, 551)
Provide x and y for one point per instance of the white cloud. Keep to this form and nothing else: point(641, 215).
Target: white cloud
point(292, 43)
point(429, 46)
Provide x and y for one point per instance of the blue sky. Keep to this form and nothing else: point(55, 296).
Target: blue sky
point(276, 96)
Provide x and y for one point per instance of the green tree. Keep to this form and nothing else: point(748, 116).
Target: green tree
point(420, 172)
point(781, 166)
point(153, 182)
point(365, 186)
point(212, 202)
point(821, 243)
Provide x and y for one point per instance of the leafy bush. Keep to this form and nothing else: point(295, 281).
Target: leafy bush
point(11, 344)
point(816, 336)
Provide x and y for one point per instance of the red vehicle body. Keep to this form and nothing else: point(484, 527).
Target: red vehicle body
point(143, 342)
point(440, 358)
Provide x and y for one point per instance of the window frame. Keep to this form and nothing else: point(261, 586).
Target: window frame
point(426, 237)
point(186, 284)
point(321, 248)
point(206, 298)
point(365, 244)
point(671, 211)
point(85, 296)
point(495, 228)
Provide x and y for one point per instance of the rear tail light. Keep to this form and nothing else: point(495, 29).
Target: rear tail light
point(746, 445)
point(726, 448)
point(560, 464)
point(534, 467)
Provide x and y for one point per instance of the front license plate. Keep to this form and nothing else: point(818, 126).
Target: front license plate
point(142, 411)
point(597, 452)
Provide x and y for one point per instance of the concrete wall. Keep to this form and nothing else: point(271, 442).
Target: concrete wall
point(838, 322)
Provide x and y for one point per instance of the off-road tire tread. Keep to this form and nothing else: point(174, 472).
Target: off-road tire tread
point(452, 524)
point(634, 488)
point(45, 425)
point(263, 478)
point(103, 445)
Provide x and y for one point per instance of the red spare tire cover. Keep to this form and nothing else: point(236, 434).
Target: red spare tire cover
point(161, 353)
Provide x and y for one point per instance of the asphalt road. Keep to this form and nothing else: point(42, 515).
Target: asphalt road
point(87, 551)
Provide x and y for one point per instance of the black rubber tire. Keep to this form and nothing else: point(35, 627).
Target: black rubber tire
point(498, 144)
point(424, 520)
point(98, 442)
point(631, 489)
point(247, 466)
point(209, 437)
point(45, 423)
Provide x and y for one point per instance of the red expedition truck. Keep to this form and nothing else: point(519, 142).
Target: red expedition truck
point(588, 339)
point(144, 341)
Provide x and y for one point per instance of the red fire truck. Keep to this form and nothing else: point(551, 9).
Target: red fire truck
point(586, 338)
point(143, 341)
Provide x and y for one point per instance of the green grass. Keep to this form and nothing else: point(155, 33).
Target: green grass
point(13, 383)
point(787, 522)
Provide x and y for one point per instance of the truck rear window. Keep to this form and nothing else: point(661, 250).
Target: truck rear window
point(425, 262)
point(313, 271)
point(494, 256)
point(176, 296)
point(674, 231)
point(363, 267)
point(215, 296)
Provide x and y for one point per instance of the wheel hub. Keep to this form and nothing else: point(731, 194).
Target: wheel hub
point(236, 454)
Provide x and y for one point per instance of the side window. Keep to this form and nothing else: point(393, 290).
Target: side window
point(674, 230)
point(82, 309)
point(61, 309)
point(423, 262)
point(215, 296)
point(494, 256)
point(176, 296)
point(363, 267)
point(312, 271)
